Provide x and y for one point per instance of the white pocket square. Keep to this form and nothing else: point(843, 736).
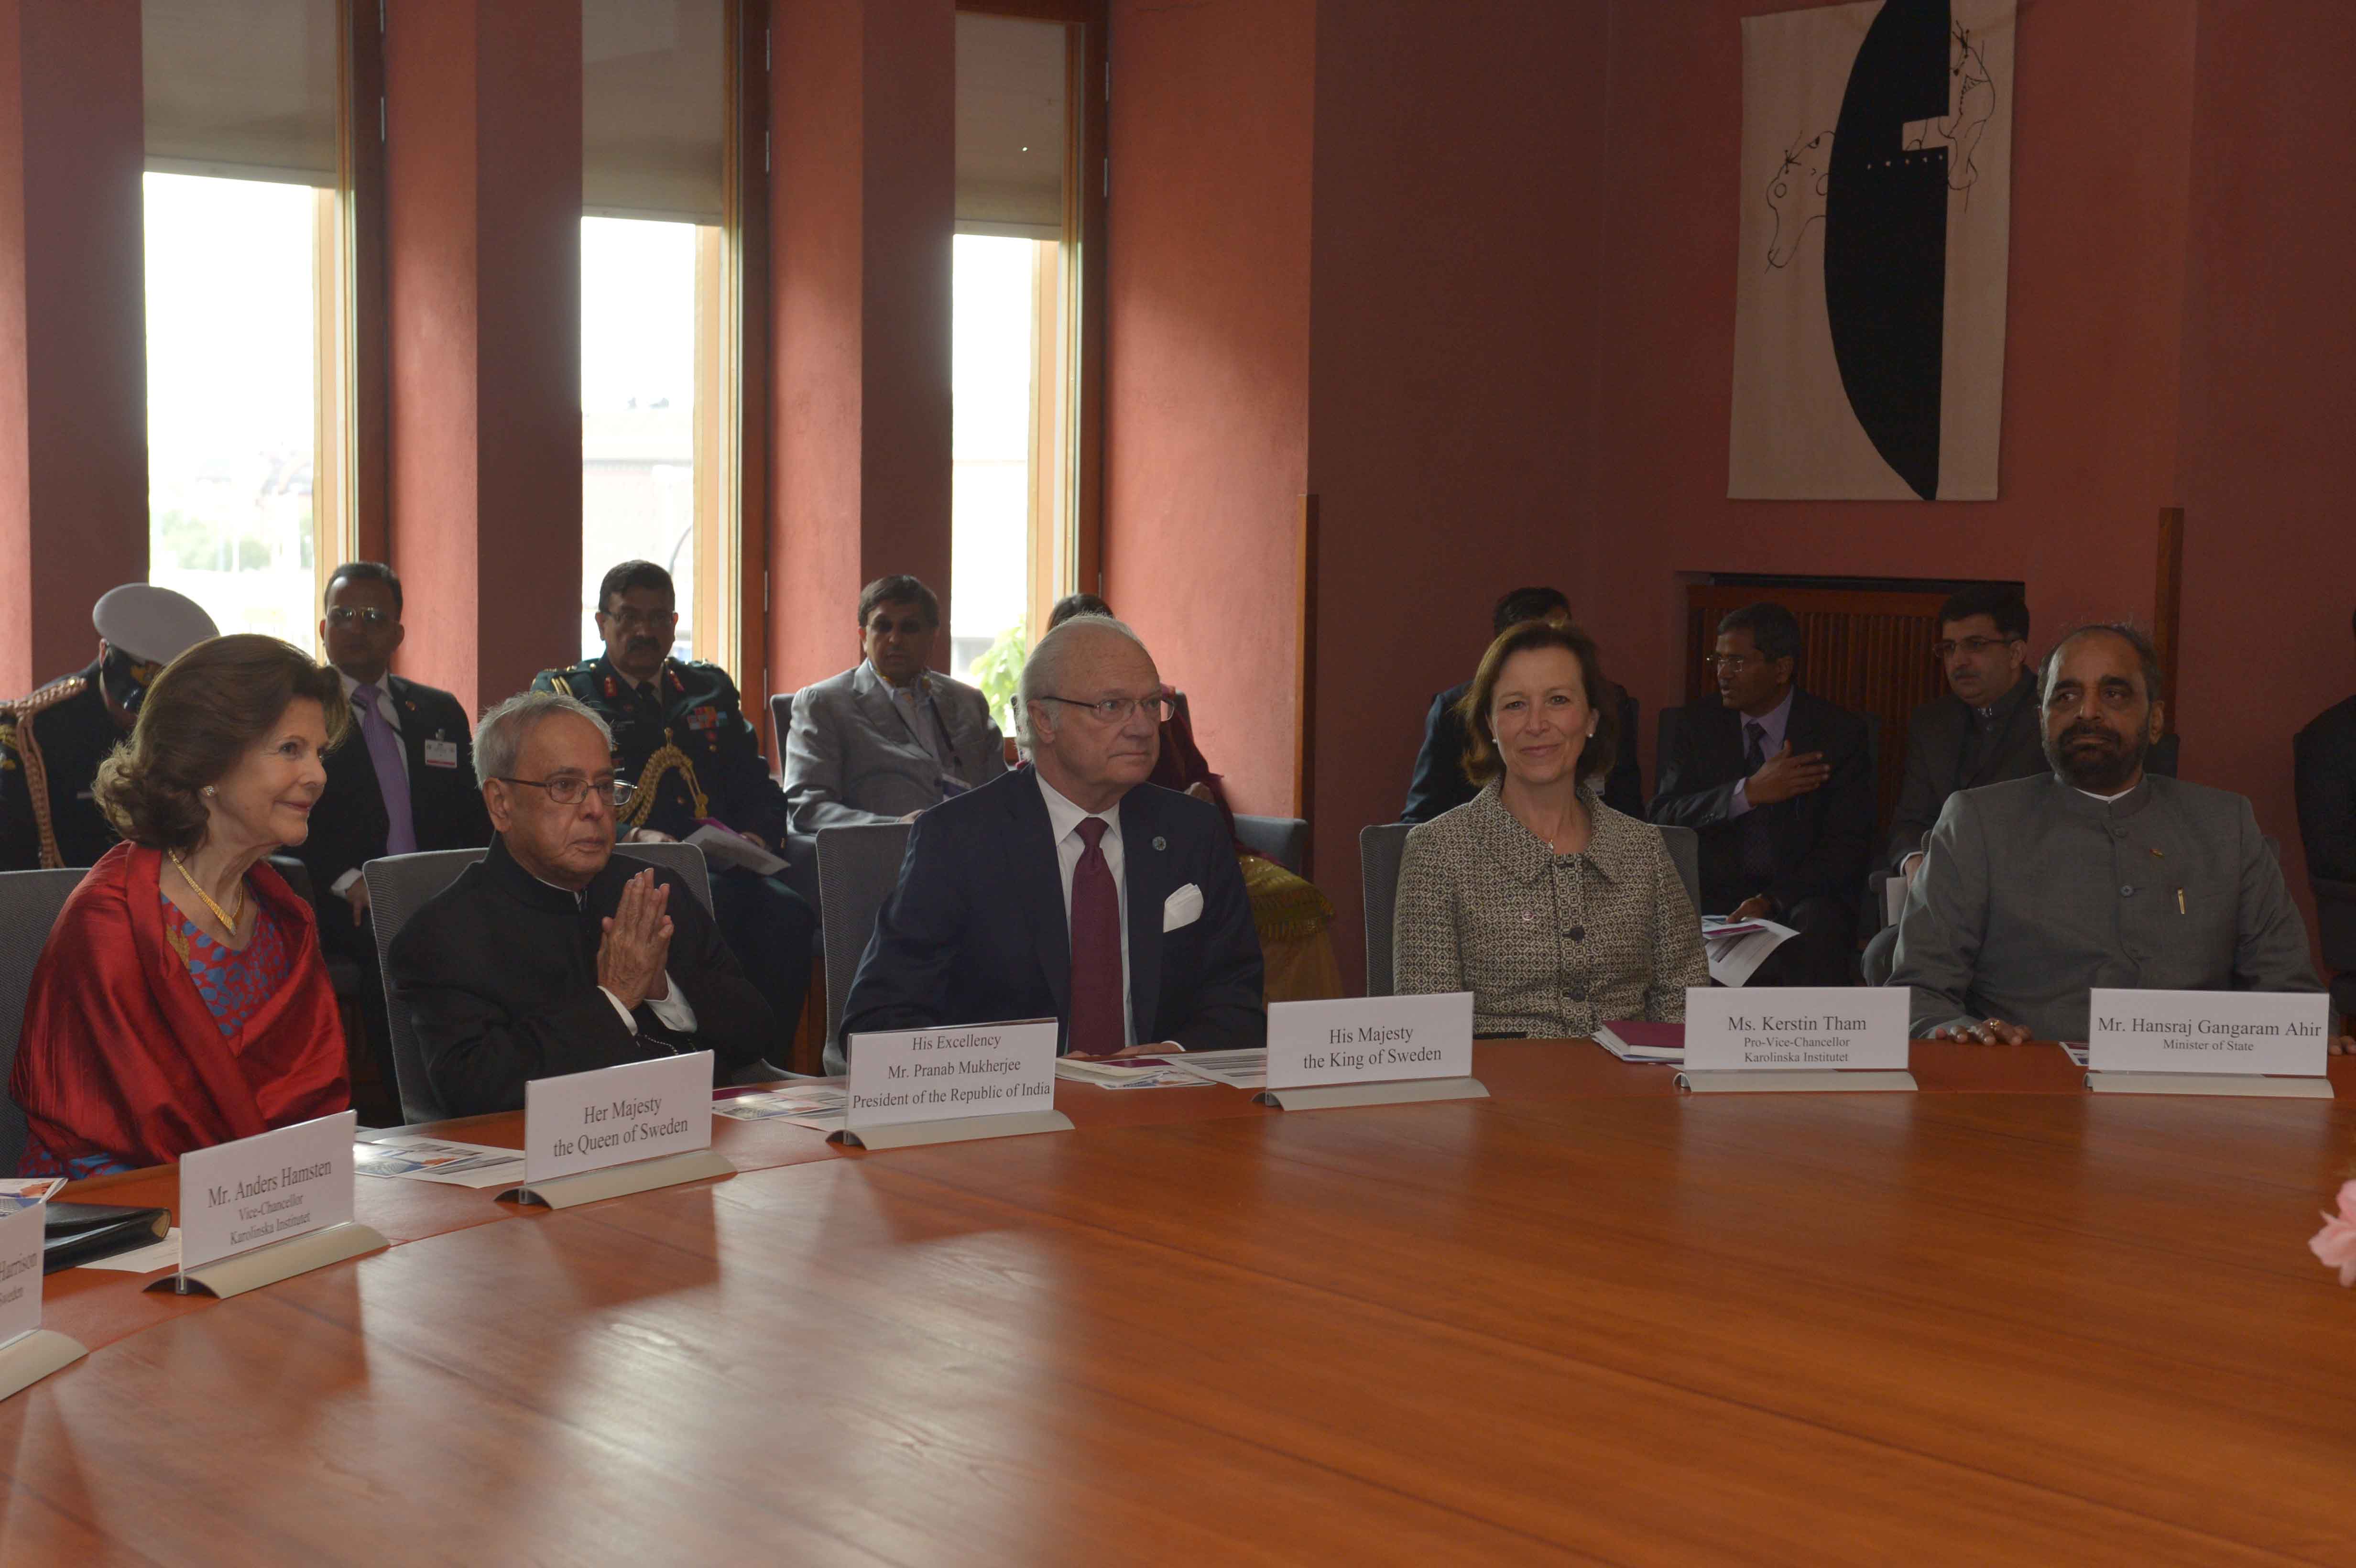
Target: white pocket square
point(1181, 908)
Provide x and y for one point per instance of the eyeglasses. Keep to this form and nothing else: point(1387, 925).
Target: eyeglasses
point(1975, 647)
point(1737, 663)
point(568, 789)
point(1116, 710)
point(628, 618)
point(344, 615)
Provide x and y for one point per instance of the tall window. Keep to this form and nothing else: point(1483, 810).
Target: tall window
point(245, 307)
point(656, 373)
point(1015, 360)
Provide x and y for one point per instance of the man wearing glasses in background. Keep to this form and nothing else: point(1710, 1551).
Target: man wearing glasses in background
point(1072, 888)
point(682, 741)
point(553, 954)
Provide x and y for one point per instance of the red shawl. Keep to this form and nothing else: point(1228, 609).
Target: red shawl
point(120, 1055)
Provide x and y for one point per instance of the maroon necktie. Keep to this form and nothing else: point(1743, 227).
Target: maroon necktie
point(1097, 1027)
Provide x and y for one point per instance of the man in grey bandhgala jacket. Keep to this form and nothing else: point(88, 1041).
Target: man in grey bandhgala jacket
point(2036, 891)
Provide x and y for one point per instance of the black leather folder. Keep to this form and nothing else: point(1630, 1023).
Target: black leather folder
point(77, 1233)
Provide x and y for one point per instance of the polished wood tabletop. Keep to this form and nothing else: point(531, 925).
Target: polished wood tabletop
point(1587, 1319)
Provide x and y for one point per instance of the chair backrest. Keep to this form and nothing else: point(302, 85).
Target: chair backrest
point(2335, 922)
point(781, 719)
point(399, 885)
point(30, 903)
point(1284, 840)
point(1685, 851)
point(1670, 724)
point(1380, 849)
point(858, 866)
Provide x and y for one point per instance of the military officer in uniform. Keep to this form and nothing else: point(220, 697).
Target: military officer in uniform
point(680, 736)
point(52, 742)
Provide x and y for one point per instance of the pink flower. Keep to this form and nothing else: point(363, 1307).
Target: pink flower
point(2335, 1244)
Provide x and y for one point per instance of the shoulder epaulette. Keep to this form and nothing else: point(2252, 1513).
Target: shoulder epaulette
point(49, 696)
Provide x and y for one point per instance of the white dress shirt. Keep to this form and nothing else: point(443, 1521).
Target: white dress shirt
point(386, 711)
point(1063, 820)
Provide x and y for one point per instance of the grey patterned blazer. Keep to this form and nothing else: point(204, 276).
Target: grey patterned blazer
point(1551, 946)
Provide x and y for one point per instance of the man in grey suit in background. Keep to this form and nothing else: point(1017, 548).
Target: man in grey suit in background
point(885, 740)
point(2033, 892)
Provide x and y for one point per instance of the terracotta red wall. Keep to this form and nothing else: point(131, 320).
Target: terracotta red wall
point(1208, 365)
point(483, 268)
point(2270, 335)
point(863, 188)
point(1460, 150)
point(73, 346)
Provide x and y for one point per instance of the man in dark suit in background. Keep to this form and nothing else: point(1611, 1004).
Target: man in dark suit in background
point(1985, 730)
point(402, 781)
point(2324, 757)
point(553, 955)
point(1776, 780)
point(1439, 784)
point(1072, 888)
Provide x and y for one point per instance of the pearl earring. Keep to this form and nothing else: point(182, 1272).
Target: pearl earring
point(209, 790)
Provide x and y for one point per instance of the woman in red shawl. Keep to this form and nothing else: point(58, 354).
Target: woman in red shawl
point(180, 1001)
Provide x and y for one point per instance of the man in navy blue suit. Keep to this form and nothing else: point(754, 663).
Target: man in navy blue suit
point(1072, 888)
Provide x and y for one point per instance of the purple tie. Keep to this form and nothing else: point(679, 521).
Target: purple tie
point(391, 772)
point(1096, 1026)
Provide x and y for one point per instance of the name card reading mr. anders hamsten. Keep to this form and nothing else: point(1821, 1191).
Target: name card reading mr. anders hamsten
point(272, 1187)
point(940, 1074)
point(1795, 1029)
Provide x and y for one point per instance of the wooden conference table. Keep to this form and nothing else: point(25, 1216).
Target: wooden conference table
point(1587, 1319)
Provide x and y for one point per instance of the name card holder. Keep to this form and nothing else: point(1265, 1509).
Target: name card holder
point(28, 1352)
point(2255, 1044)
point(911, 1087)
point(1370, 1050)
point(232, 1194)
point(1795, 1040)
point(614, 1131)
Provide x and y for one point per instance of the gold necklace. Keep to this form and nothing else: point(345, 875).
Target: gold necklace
point(227, 921)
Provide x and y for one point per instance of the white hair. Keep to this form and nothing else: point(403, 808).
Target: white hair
point(499, 738)
point(1044, 671)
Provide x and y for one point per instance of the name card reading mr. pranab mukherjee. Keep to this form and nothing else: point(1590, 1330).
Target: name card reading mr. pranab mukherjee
point(1796, 1036)
point(2208, 1042)
point(1371, 1051)
point(259, 1209)
point(614, 1130)
point(947, 1084)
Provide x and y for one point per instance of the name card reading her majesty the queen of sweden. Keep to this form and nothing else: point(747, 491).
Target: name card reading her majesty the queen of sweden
point(1795, 1029)
point(1369, 1040)
point(950, 1073)
point(616, 1116)
point(2281, 1033)
point(272, 1187)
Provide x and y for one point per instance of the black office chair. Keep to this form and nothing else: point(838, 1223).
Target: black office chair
point(857, 869)
point(1284, 840)
point(1380, 850)
point(2335, 922)
point(29, 904)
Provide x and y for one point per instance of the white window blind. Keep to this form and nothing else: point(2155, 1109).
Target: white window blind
point(654, 109)
point(242, 89)
point(1011, 121)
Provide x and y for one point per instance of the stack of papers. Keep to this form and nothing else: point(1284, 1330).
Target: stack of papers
point(1235, 1069)
point(1736, 948)
point(1635, 1040)
point(1129, 1072)
point(821, 1106)
point(437, 1159)
point(24, 1192)
point(723, 847)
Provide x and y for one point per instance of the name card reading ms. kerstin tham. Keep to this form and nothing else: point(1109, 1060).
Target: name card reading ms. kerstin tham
point(1796, 1036)
point(958, 1081)
point(2138, 1039)
point(1368, 1051)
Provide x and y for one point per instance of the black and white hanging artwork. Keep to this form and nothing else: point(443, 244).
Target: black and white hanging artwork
point(1876, 196)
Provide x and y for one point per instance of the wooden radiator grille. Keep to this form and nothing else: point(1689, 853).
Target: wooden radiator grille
point(1867, 649)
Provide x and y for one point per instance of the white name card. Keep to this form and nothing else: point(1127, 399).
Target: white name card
point(1369, 1040)
point(20, 1271)
point(272, 1187)
point(2272, 1033)
point(615, 1115)
point(963, 1070)
point(1795, 1029)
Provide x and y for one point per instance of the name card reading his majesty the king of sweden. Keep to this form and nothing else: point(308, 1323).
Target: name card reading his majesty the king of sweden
point(1788, 1031)
point(615, 1115)
point(951, 1074)
point(1323, 1055)
point(272, 1187)
point(2282, 1033)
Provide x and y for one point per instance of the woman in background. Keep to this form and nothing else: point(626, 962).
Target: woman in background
point(1555, 911)
point(180, 1001)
